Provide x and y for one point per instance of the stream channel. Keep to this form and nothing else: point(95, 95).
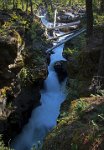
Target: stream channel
point(44, 117)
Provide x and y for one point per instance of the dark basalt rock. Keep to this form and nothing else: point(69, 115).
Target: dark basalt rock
point(8, 53)
point(24, 103)
point(60, 68)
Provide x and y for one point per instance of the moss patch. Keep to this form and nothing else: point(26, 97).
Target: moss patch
point(81, 128)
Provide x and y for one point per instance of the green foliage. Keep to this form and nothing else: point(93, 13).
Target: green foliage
point(74, 146)
point(73, 92)
point(23, 75)
point(101, 92)
point(80, 107)
point(3, 92)
point(76, 48)
point(34, 29)
point(9, 4)
point(29, 74)
point(50, 14)
point(2, 146)
point(81, 128)
point(98, 19)
point(71, 52)
point(79, 42)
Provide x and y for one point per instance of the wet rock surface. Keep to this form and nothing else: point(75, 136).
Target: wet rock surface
point(60, 68)
point(23, 68)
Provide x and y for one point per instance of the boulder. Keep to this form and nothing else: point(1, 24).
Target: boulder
point(60, 68)
point(9, 46)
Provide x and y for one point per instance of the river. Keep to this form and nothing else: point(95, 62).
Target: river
point(44, 117)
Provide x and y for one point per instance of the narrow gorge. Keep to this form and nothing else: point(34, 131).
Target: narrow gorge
point(51, 75)
point(44, 117)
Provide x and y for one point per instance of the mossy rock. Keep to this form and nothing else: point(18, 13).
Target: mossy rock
point(80, 129)
point(88, 63)
point(82, 65)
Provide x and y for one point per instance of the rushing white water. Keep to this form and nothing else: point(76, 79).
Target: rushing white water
point(44, 117)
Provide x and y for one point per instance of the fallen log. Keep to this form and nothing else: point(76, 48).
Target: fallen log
point(67, 39)
point(49, 25)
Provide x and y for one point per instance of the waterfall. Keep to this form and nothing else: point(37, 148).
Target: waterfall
point(44, 117)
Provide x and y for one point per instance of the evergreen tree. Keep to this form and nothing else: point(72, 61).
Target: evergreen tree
point(89, 13)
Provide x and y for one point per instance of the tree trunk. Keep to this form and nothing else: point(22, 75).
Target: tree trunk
point(101, 65)
point(4, 4)
point(27, 4)
point(13, 4)
point(16, 4)
point(31, 5)
point(89, 13)
point(22, 4)
point(46, 5)
point(101, 61)
point(70, 2)
point(102, 5)
point(51, 5)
